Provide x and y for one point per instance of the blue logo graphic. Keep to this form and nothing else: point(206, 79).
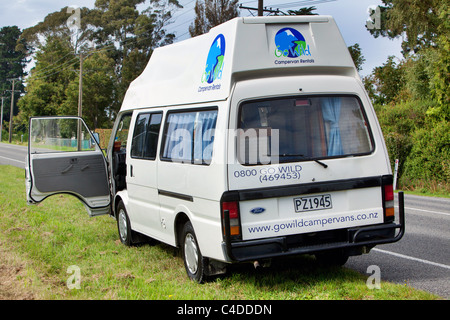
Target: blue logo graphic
point(291, 44)
point(257, 210)
point(214, 62)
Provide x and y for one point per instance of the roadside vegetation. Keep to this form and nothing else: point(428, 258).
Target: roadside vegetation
point(40, 244)
point(412, 94)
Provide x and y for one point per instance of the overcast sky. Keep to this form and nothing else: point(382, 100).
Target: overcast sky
point(350, 16)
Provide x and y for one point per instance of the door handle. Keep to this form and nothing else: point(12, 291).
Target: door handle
point(131, 170)
point(67, 169)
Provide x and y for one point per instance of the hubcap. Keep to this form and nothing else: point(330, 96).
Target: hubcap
point(191, 253)
point(123, 225)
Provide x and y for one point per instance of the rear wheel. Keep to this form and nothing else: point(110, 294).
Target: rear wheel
point(194, 262)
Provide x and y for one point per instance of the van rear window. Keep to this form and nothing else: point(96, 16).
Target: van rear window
point(299, 128)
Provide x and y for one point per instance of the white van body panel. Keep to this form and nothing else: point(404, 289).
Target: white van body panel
point(197, 189)
point(142, 189)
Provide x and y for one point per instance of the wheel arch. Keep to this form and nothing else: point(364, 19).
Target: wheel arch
point(180, 220)
point(120, 196)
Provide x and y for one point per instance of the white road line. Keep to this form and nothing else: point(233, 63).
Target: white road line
point(412, 258)
point(10, 159)
point(12, 146)
point(437, 212)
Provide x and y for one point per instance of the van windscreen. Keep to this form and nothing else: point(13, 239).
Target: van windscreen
point(299, 128)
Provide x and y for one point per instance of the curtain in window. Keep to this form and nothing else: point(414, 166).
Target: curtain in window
point(331, 110)
point(178, 145)
point(204, 136)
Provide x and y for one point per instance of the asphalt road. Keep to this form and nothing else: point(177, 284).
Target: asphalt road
point(13, 155)
point(421, 259)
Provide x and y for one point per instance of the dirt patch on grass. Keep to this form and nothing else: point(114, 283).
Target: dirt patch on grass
point(14, 284)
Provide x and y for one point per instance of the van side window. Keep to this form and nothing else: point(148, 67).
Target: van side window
point(145, 136)
point(189, 136)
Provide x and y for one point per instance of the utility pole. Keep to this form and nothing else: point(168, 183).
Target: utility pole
point(1, 121)
point(80, 101)
point(260, 8)
point(12, 107)
point(80, 87)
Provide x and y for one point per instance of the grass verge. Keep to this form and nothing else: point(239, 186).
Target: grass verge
point(39, 244)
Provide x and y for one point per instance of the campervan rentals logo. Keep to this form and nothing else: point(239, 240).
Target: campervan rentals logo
point(290, 43)
point(214, 65)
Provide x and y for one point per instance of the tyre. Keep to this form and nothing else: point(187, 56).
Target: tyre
point(194, 262)
point(123, 225)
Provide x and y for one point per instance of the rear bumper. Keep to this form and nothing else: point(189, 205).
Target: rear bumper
point(350, 239)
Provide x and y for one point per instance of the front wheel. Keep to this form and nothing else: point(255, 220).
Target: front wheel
point(194, 262)
point(123, 225)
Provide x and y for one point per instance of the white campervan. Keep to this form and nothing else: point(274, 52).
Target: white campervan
point(253, 141)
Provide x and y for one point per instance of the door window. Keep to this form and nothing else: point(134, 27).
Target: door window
point(145, 136)
point(60, 134)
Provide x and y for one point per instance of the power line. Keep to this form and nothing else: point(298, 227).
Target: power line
point(264, 9)
point(54, 68)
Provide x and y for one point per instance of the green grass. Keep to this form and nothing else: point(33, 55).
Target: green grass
point(49, 237)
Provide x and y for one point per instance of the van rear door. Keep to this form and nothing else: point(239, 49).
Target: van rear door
point(305, 163)
point(64, 157)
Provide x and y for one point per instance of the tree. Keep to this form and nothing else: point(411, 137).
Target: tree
point(306, 11)
point(131, 35)
point(418, 20)
point(55, 25)
point(98, 91)
point(356, 53)
point(210, 13)
point(386, 82)
point(49, 79)
point(12, 64)
point(425, 28)
point(116, 40)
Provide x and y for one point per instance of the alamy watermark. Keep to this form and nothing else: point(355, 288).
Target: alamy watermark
point(74, 280)
point(374, 280)
point(74, 20)
point(374, 20)
point(253, 146)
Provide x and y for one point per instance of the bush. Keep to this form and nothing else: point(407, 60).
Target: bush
point(398, 122)
point(430, 154)
point(421, 143)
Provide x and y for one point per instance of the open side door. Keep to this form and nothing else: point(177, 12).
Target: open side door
point(64, 157)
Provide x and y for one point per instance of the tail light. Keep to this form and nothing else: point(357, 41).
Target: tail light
point(231, 209)
point(389, 211)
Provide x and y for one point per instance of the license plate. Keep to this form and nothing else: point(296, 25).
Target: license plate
point(311, 203)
